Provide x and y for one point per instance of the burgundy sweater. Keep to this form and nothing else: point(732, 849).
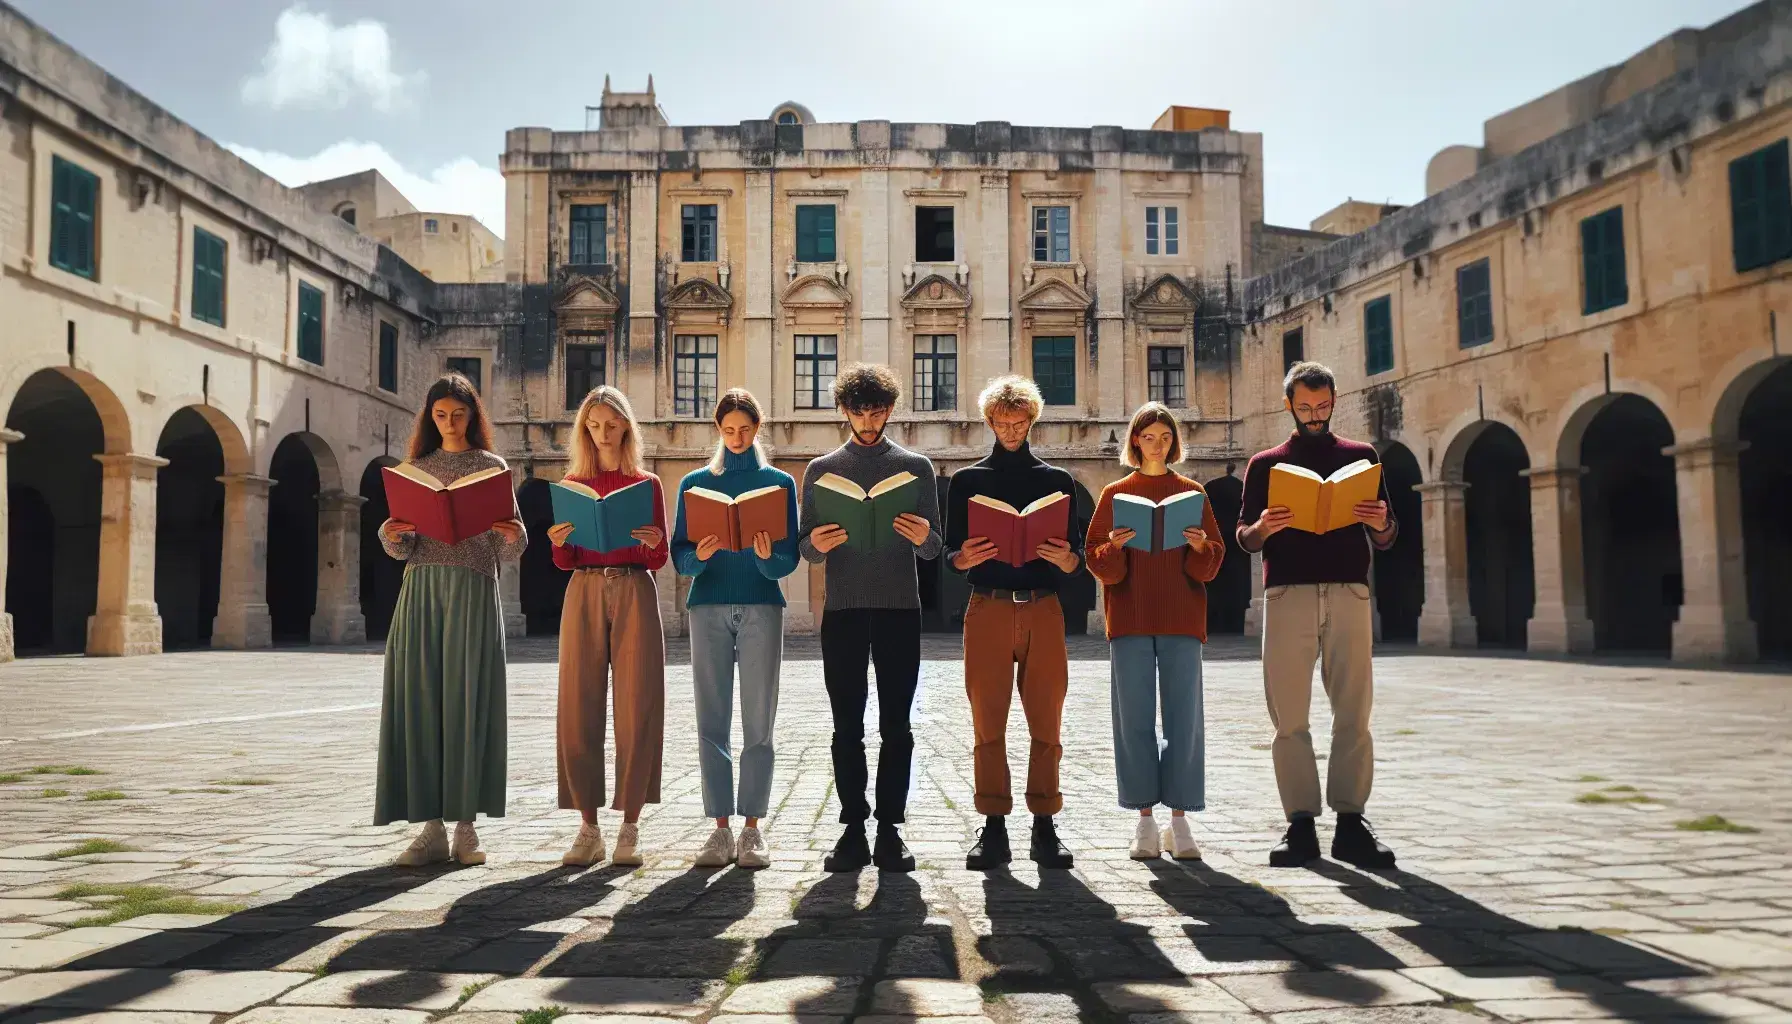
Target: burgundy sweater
point(1295, 556)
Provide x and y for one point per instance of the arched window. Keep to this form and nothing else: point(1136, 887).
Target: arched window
point(784, 117)
point(347, 212)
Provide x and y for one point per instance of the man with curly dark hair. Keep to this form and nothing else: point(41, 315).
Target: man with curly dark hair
point(872, 617)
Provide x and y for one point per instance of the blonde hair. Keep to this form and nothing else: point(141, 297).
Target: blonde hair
point(584, 450)
point(1013, 393)
point(1150, 414)
point(735, 400)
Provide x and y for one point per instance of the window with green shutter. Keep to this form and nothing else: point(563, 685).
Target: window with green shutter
point(1054, 369)
point(1760, 207)
point(1378, 335)
point(1603, 283)
point(208, 277)
point(311, 324)
point(388, 357)
point(815, 234)
point(74, 211)
point(587, 236)
point(1474, 304)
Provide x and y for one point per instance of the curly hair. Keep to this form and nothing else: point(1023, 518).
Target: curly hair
point(867, 386)
point(1012, 393)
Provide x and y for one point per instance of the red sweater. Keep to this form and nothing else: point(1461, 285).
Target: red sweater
point(570, 556)
point(1154, 595)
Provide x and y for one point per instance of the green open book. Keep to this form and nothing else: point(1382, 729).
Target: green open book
point(867, 515)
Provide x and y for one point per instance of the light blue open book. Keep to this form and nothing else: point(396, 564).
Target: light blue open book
point(1157, 525)
point(603, 523)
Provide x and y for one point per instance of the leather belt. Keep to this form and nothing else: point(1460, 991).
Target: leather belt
point(1017, 596)
point(611, 571)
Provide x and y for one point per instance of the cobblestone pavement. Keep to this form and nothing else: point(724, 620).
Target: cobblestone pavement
point(1536, 807)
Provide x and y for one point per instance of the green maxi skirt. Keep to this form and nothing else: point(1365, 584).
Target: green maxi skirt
point(442, 724)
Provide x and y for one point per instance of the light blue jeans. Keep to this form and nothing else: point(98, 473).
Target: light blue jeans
point(1173, 771)
point(722, 636)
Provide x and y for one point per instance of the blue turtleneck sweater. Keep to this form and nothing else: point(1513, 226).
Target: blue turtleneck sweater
point(736, 577)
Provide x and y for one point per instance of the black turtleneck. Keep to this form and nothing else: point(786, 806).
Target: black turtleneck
point(1018, 478)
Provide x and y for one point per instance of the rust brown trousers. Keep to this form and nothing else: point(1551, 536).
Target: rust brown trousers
point(610, 628)
point(998, 634)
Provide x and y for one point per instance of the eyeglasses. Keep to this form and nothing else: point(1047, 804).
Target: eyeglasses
point(1309, 411)
point(1010, 426)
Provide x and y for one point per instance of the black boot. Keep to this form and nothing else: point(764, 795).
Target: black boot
point(851, 853)
point(991, 850)
point(1046, 850)
point(1299, 847)
point(892, 853)
point(1354, 843)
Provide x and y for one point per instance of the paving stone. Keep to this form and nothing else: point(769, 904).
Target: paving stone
point(38, 954)
point(23, 930)
point(157, 989)
point(1724, 952)
point(1371, 1015)
point(845, 958)
point(771, 1018)
point(927, 998)
point(168, 922)
point(11, 909)
point(1039, 1007)
point(1504, 983)
point(1191, 995)
point(660, 996)
point(109, 1017)
point(794, 996)
point(906, 1018)
point(1312, 990)
point(412, 990)
point(1636, 1006)
point(328, 1015)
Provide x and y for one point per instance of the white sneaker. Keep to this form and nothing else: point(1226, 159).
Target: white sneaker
point(753, 853)
point(466, 845)
point(587, 847)
point(1144, 839)
point(1179, 839)
point(430, 847)
point(718, 850)
point(626, 841)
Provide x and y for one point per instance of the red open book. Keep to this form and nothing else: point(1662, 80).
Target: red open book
point(452, 512)
point(1017, 533)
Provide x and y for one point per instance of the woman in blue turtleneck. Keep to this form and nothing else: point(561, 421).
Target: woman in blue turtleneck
point(736, 617)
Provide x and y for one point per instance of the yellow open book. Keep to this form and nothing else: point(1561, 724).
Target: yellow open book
point(1323, 504)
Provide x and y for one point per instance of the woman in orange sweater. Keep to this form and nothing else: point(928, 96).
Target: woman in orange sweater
point(1156, 606)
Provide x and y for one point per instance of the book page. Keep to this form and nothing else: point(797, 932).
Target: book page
point(746, 496)
point(626, 488)
point(410, 472)
point(704, 492)
point(997, 504)
point(473, 478)
point(1351, 470)
point(578, 488)
point(1184, 496)
point(890, 483)
point(840, 485)
point(1049, 499)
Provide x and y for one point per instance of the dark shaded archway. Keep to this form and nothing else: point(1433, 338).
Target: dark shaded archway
point(944, 593)
point(381, 574)
point(1630, 527)
point(53, 526)
point(1077, 595)
point(1400, 570)
point(1497, 513)
point(292, 540)
point(189, 529)
point(1229, 594)
point(543, 583)
point(1765, 469)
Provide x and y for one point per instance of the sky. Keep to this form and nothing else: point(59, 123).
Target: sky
point(1352, 98)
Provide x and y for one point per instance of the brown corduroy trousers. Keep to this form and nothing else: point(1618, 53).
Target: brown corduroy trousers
point(610, 628)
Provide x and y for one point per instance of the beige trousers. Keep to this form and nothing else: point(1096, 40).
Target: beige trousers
point(610, 630)
point(1330, 623)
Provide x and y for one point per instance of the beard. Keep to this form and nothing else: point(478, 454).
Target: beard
point(869, 437)
point(1318, 428)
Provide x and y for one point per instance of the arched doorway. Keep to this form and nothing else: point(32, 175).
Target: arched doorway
point(189, 529)
point(1630, 527)
point(1077, 595)
point(1400, 570)
point(53, 525)
point(1229, 595)
point(381, 574)
point(1765, 469)
point(543, 583)
point(1497, 514)
point(292, 540)
point(944, 593)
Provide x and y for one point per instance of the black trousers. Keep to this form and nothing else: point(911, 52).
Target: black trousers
point(852, 640)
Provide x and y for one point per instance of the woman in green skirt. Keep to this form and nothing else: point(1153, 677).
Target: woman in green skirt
point(442, 728)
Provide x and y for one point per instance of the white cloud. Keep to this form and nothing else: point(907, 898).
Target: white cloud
point(460, 186)
point(313, 63)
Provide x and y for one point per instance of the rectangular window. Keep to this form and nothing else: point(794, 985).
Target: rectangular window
point(586, 355)
point(1051, 234)
point(589, 243)
point(815, 234)
point(694, 374)
point(74, 209)
point(700, 234)
point(1760, 207)
point(1474, 304)
point(1603, 283)
point(933, 235)
point(1293, 346)
point(208, 277)
point(1162, 230)
point(1163, 375)
point(388, 362)
point(468, 367)
point(1054, 369)
point(1378, 335)
point(430, 226)
point(311, 324)
point(816, 364)
point(936, 372)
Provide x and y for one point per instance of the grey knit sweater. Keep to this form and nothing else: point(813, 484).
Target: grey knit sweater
point(884, 578)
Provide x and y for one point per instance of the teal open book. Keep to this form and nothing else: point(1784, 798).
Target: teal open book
point(603, 523)
point(1157, 525)
point(867, 515)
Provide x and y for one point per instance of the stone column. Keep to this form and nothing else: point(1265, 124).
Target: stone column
point(1445, 620)
point(881, 251)
point(1108, 382)
point(242, 621)
point(760, 285)
point(1714, 622)
point(510, 596)
point(1559, 623)
point(124, 619)
point(635, 372)
point(7, 437)
point(994, 349)
point(1253, 615)
point(338, 618)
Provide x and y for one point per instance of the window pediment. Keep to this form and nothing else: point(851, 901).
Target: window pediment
point(699, 298)
point(1054, 296)
point(817, 295)
point(935, 302)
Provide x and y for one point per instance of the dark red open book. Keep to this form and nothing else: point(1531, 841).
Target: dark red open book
point(452, 512)
point(1018, 532)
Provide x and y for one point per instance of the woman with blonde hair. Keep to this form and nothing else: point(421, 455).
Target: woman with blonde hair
point(1156, 609)
point(610, 626)
point(736, 618)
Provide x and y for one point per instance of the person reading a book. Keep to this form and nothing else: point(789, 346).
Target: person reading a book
point(442, 720)
point(610, 631)
point(1316, 607)
point(887, 495)
point(735, 535)
point(1011, 531)
point(1154, 546)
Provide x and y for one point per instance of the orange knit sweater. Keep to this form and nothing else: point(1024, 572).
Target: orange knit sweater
point(1153, 595)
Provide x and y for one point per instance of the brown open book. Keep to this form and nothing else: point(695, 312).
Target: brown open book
point(736, 520)
point(1323, 504)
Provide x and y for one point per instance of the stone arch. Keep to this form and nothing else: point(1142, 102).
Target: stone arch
point(381, 574)
point(1630, 524)
point(1737, 383)
point(1760, 420)
point(1461, 435)
point(115, 420)
point(1582, 407)
point(1399, 572)
point(299, 465)
point(237, 457)
point(190, 519)
point(1497, 525)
